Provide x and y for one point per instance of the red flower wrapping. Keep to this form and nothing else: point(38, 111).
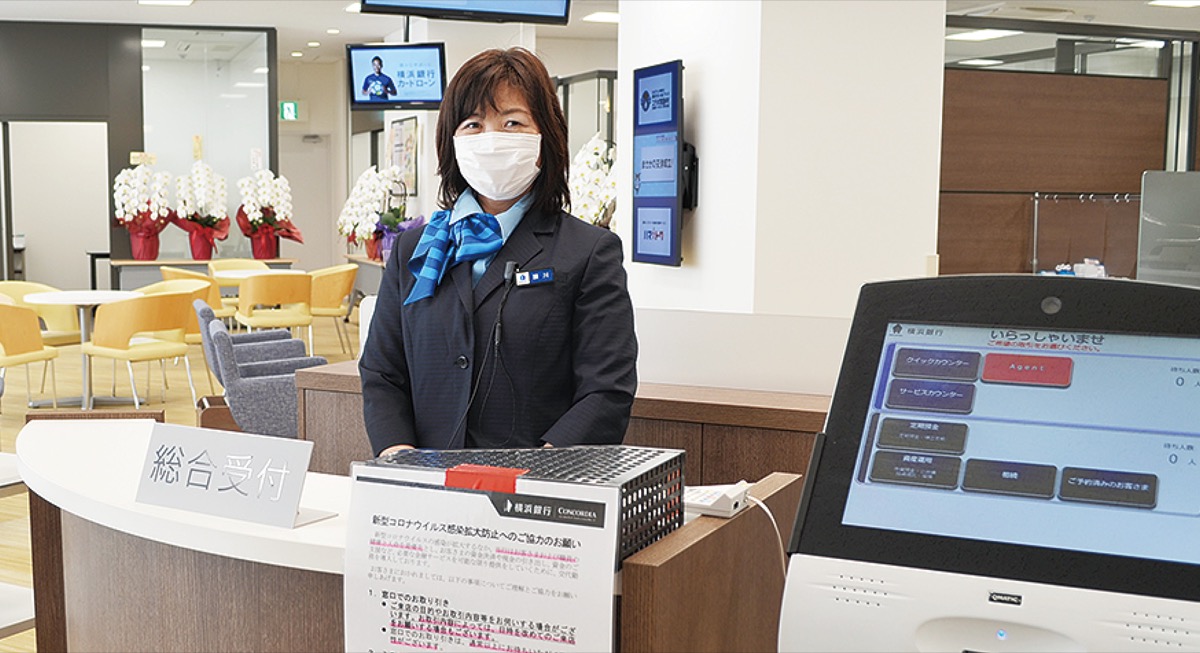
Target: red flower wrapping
point(211, 234)
point(270, 226)
point(143, 224)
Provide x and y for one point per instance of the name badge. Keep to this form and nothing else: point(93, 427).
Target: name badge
point(535, 277)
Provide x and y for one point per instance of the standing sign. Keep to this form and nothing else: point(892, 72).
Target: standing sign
point(237, 475)
point(433, 567)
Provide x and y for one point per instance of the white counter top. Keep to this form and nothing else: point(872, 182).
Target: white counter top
point(90, 468)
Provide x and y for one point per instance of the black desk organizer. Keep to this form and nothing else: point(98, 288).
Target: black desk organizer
point(650, 480)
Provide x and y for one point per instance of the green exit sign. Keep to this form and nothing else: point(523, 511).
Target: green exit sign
point(289, 110)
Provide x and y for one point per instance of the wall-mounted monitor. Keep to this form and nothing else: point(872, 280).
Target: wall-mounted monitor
point(552, 12)
point(663, 165)
point(408, 76)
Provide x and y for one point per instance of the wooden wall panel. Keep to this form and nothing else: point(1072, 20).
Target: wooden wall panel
point(1071, 230)
point(984, 233)
point(733, 453)
point(1026, 132)
point(666, 434)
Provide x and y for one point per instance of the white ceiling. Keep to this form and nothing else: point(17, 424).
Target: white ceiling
point(301, 21)
point(297, 21)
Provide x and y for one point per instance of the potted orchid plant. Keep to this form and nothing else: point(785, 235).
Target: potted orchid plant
point(373, 214)
point(266, 212)
point(140, 198)
point(201, 210)
point(592, 183)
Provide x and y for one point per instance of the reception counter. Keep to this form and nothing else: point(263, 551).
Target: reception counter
point(111, 574)
point(729, 434)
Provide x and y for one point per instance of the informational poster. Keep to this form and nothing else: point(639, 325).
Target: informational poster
point(431, 567)
point(403, 137)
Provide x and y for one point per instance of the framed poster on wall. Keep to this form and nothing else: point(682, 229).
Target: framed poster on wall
point(403, 136)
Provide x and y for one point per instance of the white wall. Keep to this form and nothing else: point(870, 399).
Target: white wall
point(818, 172)
point(566, 57)
point(60, 192)
point(720, 100)
point(316, 170)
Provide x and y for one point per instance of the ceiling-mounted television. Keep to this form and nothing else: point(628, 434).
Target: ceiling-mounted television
point(405, 76)
point(552, 12)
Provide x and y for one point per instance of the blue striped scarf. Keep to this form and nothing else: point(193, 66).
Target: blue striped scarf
point(444, 245)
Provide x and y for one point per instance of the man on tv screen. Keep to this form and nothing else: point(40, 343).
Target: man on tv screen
point(378, 86)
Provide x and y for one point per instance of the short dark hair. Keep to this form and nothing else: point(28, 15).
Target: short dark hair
point(376, 58)
point(474, 88)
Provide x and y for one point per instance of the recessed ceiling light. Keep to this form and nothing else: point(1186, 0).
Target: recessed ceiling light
point(249, 85)
point(1183, 4)
point(233, 96)
point(353, 8)
point(314, 44)
point(145, 69)
point(982, 35)
point(166, 3)
point(154, 43)
point(333, 31)
point(980, 62)
point(603, 17)
point(297, 53)
point(262, 71)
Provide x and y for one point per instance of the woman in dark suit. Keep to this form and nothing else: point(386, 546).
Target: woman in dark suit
point(506, 322)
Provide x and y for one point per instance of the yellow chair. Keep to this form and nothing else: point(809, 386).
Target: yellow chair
point(217, 265)
point(332, 295)
point(274, 301)
point(198, 289)
point(61, 323)
point(21, 344)
point(221, 312)
point(119, 324)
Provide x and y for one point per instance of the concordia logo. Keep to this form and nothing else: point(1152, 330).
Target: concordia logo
point(1001, 597)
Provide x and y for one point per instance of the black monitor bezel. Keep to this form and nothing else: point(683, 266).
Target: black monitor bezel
point(406, 105)
point(374, 7)
point(675, 257)
point(1092, 305)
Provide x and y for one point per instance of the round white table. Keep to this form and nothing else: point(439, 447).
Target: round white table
point(85, 301)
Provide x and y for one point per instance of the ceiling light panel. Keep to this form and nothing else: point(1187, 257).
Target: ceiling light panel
point(982, 35)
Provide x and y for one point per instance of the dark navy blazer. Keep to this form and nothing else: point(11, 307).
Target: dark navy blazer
point(564, 372)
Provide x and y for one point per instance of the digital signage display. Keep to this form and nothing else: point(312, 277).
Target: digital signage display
point(408, 76)
point(553, 12)
point(657, 163)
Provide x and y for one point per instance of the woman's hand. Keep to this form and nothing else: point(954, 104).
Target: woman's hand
point(393, 449)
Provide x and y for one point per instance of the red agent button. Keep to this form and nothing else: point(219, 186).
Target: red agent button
point(1051, 371)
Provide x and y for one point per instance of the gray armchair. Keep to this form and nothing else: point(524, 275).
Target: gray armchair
point(248, 348)
point(261, 395)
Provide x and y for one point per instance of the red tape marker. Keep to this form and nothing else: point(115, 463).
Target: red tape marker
point(483, 477)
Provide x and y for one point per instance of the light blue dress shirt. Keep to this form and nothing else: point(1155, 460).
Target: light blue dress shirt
point(468, 204)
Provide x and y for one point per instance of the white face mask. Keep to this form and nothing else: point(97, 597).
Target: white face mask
point(498, 165)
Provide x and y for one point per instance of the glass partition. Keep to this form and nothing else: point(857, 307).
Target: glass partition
point(206, 96)
point(1169, 229)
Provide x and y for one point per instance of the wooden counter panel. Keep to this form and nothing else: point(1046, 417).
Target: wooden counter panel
point(731, 406)
point(732, 454)
point(734, 565)
point(334, 422)
point(664, 434)
point(335, 377)
point(125, 593)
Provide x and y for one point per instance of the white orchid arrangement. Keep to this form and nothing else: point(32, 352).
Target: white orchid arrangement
point(266, 199)
point(593, 186)
point(140, 195)
point(359, 218)
point(201, 195)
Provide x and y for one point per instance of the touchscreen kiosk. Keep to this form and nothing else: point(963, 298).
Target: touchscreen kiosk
point(1009, 464)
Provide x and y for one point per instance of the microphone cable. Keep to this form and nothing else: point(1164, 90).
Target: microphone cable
point(510, 268)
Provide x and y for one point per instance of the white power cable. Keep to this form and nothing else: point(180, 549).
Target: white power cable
point(778, 535)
